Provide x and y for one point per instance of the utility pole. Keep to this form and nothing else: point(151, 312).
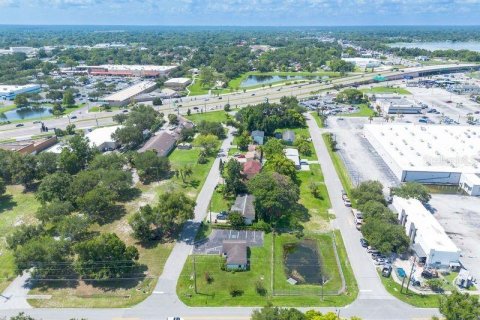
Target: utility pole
point(323, 281)
point(194, 274)
point(411, 273)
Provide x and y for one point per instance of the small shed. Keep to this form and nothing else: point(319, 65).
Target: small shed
point(258, 136)
point(244, 204)
point(288, 137)
point(235, 252)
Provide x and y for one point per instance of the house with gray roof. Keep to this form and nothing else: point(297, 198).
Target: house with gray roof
point(235, 252)
point(244, 204)
point(258, 136)
point(288, 137)
point(162, 144)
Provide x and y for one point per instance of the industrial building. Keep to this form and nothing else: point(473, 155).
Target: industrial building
point(110, 70)
point(9, 92)
point(29, 146)
point(125, 96)
point(396, 104)
point(364, 62)
point(177, 83)
point(429, 154)
point(102, 138)
point(428, 239)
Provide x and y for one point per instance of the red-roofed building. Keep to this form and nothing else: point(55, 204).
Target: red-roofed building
point(251, 168)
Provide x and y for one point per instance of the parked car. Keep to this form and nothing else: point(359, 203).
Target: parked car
point(19, 125)
point(387, 271)
point(364, 243)
point(73, 117)
point(347, 203)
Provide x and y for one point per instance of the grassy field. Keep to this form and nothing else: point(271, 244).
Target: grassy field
point(152, 256)
point(364, 111)
point(386, 90)
point(317, 207)
point(4, 108)
point(214, 116)
point(339, 166)
point(303, 132)
point(317, 119)
point(16, 208)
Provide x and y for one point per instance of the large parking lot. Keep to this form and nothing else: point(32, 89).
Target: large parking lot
point(213, 244)
point(460, 217)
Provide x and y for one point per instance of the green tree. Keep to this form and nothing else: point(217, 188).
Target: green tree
point(157, 102)
point(208, 142)
point(47, 163)
point(3, 187)
point(68, 161)
point(108, 161)
point(385, 236)
point(142, 224)
point(97, 203)
point(350, 96)
point(243, 141)
point(207, 77)
point(413, 190)
point(236, 219)
point(80, 146)
point(22, 235)
point(72, 227)
point(367, 191)
point(173, 119)
point(460, 306)
point(150, 167)
point(275, 195)
point(120, 118)
point(54, 211)
point(129, 136)
point(21, 101)
point(276, 313)
point(105, 257)
point(303, 146)
point(273, 147)
point(68, 99)
point(282, 165)
point(47, 255)
point(232, 173)
point(54, 187)
point(21, 168)
point(435, 285)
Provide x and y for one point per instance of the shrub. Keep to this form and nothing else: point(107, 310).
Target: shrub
point(235, 291)
point(259, 288)
point(208, 277)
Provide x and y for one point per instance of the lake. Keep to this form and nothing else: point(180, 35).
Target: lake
point(303, 263)
point(26, 114)
point(254, 80)
point(439, 45)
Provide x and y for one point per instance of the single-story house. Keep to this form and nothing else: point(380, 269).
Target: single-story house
point(292, 154)
point(244, 204)
point(102, 138)
point(235, 252)
point(258, 136)
point(251, 168)
point(288, 137)
point(162, 144)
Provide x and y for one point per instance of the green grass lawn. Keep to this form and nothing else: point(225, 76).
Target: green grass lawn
point(4, 108)
point(214, 116)
point(317, 119)
point(219, 203)
point(364, 111)
point(475, 75)
point(417, 300)
point(317, 220)
point(386, 90)
point(16, 208)
point(301, 132)
point(217, 291)
point(339, 166)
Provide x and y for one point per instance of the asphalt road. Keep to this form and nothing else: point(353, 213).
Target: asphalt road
point(89, 120)
point(373, 301)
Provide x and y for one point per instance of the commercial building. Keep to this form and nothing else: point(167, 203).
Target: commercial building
point(121, 70)
point(235, 252)
point(29, 146)
point(102, 138)
point(177, 83)
point(470, 183)
point(429, 154)
point(395, 104)
point(9, 92)
point(428, 239)
point(125, 96)
point(364, 62)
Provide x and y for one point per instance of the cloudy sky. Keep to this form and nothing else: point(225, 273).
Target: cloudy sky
point(241, 12)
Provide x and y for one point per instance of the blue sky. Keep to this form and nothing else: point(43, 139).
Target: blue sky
point(241, 12)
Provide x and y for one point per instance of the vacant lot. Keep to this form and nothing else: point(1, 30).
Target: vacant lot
point(213, 116)
point(16, 208)
point(386, 90)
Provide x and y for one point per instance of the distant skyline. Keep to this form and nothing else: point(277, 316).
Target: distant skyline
point(241, 12)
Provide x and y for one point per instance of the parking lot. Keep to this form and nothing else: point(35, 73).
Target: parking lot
point(213, 244)
point(460, 217)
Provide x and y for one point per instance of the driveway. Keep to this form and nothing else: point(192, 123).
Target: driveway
point(213, 244)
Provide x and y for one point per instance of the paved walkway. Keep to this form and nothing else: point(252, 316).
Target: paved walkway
point(15, 296)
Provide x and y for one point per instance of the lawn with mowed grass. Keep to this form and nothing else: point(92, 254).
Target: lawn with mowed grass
point(317, 118)
point(339, 165)
point(214, 116)
point(214, 286)
point(17, 207)
point(386, 90)
point(298, 133)
point(363, 111)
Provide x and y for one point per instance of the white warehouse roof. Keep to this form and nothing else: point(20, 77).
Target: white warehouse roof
point(130, 92)
point(100, 136)
point(135, 67)
point(415, 147)
point(178, 81)
point(8, 89)
point(430, 234)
